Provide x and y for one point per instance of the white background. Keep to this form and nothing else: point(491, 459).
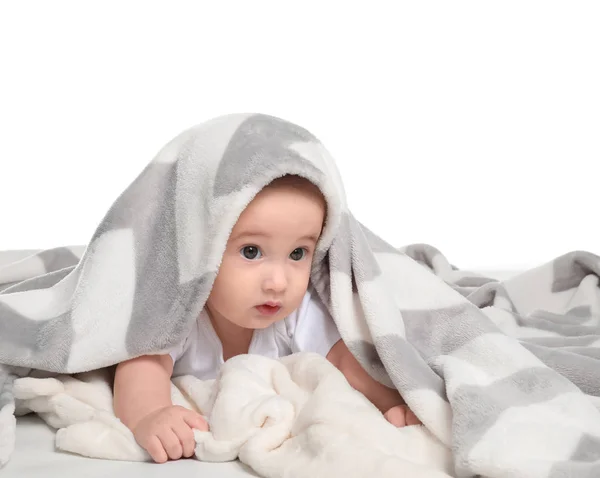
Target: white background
point(472, 126)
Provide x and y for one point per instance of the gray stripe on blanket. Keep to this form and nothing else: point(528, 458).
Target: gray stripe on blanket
point(43, 344)
point(564, 342)
point(6, 387)
point(157, 225)
point(583, 311)
point(427, 335)
point(580, 463)
point(408, 368)
point(141, 209)
point(477, 409)
point(424, 254)
point(40, 282)
point(486, 295)
point(436, 332)
point(343, 253)
point(143, 329)
point(6, 285)
point(570, 269)
point(567, 318)
point(587, 449)
point(563, 324)
point(249, 152)
point(351, 242)
point(580, 365)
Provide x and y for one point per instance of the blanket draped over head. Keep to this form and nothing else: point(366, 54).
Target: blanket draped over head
point(505, 376)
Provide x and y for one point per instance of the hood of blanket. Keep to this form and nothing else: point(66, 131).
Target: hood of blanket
point(150, 265)
point(174, 220)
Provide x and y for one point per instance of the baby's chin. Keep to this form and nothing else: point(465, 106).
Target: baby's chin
point(262, 323)
point(259, 322)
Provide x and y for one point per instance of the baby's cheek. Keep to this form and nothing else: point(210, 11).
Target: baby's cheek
point(295, 301)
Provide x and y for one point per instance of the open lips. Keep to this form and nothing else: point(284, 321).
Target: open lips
point(269, 308)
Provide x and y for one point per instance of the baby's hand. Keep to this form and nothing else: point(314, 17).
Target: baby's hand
point(167, 433)
point(401, 416)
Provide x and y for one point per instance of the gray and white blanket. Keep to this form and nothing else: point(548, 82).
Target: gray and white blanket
point(505, 375)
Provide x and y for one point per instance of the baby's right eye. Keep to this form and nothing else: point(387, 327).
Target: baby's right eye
point(250, 252)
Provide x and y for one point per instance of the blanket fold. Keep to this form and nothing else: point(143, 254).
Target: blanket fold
point(503, 374)
point(263, 411)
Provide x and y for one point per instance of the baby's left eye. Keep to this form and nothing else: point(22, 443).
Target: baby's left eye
point(298, 254)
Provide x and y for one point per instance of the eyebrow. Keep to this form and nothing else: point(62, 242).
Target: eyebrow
point(308, 237)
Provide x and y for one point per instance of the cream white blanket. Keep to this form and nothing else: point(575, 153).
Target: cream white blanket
point(297, 416)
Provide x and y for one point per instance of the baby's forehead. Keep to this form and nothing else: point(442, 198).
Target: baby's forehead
point(288, 206)
point(271, 228)
point(254, 229)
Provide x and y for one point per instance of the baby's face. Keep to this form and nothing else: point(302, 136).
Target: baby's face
point(268, 258)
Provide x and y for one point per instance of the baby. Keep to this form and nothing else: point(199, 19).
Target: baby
point(261, 303)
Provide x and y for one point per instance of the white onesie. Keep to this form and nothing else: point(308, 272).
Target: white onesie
point(309, 328)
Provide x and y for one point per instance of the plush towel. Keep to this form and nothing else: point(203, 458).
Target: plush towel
point(504, 374)
point(297, 416)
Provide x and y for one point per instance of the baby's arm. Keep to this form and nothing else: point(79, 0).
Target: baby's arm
point(142, 401)
point(142, 386)
point(387, 400)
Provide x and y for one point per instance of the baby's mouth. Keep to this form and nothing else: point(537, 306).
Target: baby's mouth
point(268, 308)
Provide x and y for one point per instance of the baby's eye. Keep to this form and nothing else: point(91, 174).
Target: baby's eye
point(298, 254)
point(250, 252)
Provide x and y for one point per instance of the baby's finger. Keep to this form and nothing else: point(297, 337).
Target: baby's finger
point(396, 416)
point(186, 438)
point(195, 420)
point(411, 418)
point(156, 450)
point(171, 443)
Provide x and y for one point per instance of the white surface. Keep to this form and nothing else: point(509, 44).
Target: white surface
point(472, 124)
point(35, 457)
